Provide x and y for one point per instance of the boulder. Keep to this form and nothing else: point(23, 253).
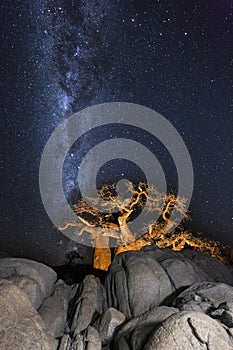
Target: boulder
point(30, 287)
point(207, 296)
point(183, 272)
point(54, 309)
point(216, 270)
point(162, 273)
point(136, 331)
point(21, 325)
point(87, 305)
point(93, 339)
point(54, 316)
point(136, 283)
point(108, 323)
point(189, 330)
point(43, 275)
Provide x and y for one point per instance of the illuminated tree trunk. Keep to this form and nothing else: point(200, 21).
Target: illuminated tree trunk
point(102, 256)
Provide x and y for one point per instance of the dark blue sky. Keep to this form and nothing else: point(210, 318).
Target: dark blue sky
point(58, 57)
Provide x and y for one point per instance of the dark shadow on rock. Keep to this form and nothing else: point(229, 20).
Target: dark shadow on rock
point(75, 274)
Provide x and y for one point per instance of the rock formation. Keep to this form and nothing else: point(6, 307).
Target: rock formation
point(150, 299)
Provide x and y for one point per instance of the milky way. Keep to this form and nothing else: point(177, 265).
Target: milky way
point(61, 56)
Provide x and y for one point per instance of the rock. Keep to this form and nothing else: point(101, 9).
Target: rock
point(54, 309)
point(87, 304)
point(78, 342)
point(21, 326)
point(229, 306)
point(181, 267)
point(161, 254)
point(122, 345)
point(210, 294)
point(108, 323)
point(65, 343)
point(217, 313)
point(43, 275)
point(163, 273)
point(152, 299)
point(54, 316)
point(189, 330)
point(183, 272)
point(216, 270)
point(131, 275)
point(87, 340)
point(227, 318)
point(93, 339)
point(30, 287)
point(63, 293)
point(136, 331)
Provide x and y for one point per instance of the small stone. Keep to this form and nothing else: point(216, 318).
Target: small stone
point(62, 292)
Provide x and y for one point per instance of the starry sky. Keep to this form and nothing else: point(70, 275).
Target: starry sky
point(58, 57)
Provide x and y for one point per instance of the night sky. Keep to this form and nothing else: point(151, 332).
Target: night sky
point(58, 57)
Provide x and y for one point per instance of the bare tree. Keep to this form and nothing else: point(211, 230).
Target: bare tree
point(101, 225)
point(115, 223)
